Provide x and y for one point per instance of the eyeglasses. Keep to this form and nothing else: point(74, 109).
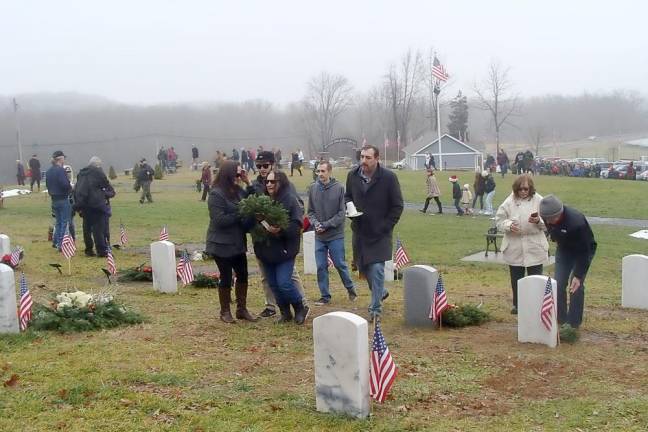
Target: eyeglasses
point(266, 166)
point(271, 181)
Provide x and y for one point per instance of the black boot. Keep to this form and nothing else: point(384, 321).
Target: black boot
point(241, 299)
point(225, 297)
point(286, 314)
point(301, 312)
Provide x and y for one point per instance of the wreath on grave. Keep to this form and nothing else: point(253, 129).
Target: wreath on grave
point(206, 280)
point(464, 315)
point(79, 311)
point(265, 208)
point(141, 273)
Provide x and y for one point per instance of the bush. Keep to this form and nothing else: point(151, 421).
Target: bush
point(465, 315)
point(159, 174)
point(112, 175)
point(136, 170)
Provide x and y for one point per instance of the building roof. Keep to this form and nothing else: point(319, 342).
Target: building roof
point(431, 138)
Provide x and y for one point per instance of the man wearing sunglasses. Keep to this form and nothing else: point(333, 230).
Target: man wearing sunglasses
point(265, 162)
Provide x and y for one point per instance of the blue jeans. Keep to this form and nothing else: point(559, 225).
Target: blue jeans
point(572, 315)
point(489, 202)
point(279, 278)
point(336, 249)
point(375, 274)
point(62, 210)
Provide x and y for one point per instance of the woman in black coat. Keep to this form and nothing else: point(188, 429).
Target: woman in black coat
point(277, 254)
point(226, 240)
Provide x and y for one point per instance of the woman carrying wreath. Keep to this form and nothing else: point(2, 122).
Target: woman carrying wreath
point(226, 240)
point(277, 252)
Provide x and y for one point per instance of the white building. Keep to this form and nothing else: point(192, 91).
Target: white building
point(456, 154)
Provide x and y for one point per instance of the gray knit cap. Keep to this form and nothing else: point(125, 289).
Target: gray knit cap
point(550, 206)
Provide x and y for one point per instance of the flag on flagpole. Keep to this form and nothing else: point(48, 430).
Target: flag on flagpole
point(546, 311)
point(164, 234)
point(68, 247)
point(382, 369)
point(439, 300)
point(110, 262)
point(402, 258)
point(25, 307)
point(123, 238)
point(438, 70)
point(14, 259)
point(184, 269)
point(329, 259)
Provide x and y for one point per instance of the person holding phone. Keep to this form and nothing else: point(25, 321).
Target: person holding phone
point(524, 247)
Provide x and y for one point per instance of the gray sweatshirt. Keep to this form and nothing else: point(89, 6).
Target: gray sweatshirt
point(326, 207)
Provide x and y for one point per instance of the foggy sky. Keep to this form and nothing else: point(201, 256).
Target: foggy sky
point(148, 52)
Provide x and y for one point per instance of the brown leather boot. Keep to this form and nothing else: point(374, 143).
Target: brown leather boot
point(225, 298)
point(241, 303)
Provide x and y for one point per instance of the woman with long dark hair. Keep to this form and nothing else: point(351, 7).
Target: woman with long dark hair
point(226, 240)
point(277, 254)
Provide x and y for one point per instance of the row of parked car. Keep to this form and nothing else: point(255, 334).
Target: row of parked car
point(619, 170)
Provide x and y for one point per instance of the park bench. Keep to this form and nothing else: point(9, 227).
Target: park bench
point(491, 239)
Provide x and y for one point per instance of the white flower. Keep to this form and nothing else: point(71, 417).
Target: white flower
point(75, 299)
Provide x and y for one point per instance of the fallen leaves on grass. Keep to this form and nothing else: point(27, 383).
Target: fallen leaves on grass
point(12, 381)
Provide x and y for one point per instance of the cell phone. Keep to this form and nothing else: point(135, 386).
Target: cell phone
point(534, 215)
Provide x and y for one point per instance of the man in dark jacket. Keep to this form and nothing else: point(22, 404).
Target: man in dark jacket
point(59, 188)
point(91, 192)
point(576, 248)
point(376, 193)
point(144, 178)
point(326, 214)
point(35, 170)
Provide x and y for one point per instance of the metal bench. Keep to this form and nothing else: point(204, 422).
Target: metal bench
point(491, 239)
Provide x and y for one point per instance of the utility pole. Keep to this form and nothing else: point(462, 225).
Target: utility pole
point(18, 138)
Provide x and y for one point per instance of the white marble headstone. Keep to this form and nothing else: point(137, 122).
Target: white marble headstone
point(310, 266)
point(5, 244)
point(341, 345)
point(530, 298)
point(164, 267)
point(419, 282)
point(389, 271)
point(634, 277)
point(8, 311)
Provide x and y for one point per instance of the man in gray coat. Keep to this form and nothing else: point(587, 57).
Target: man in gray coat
point(375, 192)
point(326, 214)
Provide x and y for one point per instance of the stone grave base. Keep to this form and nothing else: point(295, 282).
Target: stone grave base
point(494, 258)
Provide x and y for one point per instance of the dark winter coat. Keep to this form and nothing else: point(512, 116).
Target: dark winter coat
point(456, 190)
point(479, 185)
point(194, 152)
point(91, 189)
point(574, 237)
point(489, 184)
point(226, 231)
point(381, 202)
point(58, 184)
point(35, 168)
point(284, 245)
point(145, 173)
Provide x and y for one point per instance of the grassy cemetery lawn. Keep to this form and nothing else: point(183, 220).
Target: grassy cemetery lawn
point(183, 369)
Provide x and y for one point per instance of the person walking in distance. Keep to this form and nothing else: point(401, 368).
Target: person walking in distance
point(433, 191)
point(205, 179)
point(35, 170)
point(145, 177)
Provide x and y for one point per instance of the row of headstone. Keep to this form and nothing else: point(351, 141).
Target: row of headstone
point(634, 281)
point(5, 245)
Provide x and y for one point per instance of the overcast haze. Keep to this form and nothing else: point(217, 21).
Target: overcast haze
point(148, 52)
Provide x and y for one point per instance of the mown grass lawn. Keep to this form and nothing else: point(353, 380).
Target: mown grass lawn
point(185, 370)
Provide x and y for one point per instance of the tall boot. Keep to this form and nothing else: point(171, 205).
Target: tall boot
point(301, 312)
point(225, 297)
point(241, 301)
point(286, 314)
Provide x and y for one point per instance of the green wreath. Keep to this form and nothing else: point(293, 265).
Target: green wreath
point(271, 211)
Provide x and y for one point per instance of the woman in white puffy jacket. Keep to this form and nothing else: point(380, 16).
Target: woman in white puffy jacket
point(524, 247)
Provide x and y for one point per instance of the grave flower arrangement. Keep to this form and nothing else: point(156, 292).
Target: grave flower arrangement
point(6, 259)
point(464, 315)
point(141, 273)
point(206, 280)
point(79, 311)
point(262, 207)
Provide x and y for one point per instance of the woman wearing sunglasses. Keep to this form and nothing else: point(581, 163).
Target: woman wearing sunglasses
point(226, 240)
point(524, 247)
point(277, 255)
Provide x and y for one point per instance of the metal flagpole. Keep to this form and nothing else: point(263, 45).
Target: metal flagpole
point(18, 140)
point(439, 127)
point(397, 146)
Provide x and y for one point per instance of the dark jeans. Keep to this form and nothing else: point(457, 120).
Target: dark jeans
point(32, 181)
point(517, 273)
point(205, 192)
point(572, 315)
point(457, 206)
point(279, 278)
point(481, 201)
point(94, 226)
point(427, 203)
point(238, 263)
point(295, 166)
point(62, 210)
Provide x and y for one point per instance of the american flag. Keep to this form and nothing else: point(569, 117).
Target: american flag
point(123, 238)
point(546, 311)
point(68, 247)
point(329, 259)
point(438, 71)
point(164, 234)
point(382, 369)
point(439, 300)
point(15, 256)
point(184, 269)
point(110, 262)
point(25, 308)
point(401, 256)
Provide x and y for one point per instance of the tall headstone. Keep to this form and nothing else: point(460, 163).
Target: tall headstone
point(5, 245)
point(530, 299)
point(634, 281)
point(310, 267)
point(8, 311)
point(164, 267)
point(419, 282)
point(389, 271)
point(341, 345)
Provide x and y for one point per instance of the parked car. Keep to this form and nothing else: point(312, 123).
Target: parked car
point(643, 176)
point(401, 164)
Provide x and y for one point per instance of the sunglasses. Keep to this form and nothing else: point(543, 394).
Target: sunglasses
point(266, 166)
point(271, 181)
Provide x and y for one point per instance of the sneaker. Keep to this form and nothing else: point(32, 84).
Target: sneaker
point(141, 201)
point(422, 211)
point(514, 311)
point(385, 295)
point(322, 301)
point(267, 312)
point(353, 295)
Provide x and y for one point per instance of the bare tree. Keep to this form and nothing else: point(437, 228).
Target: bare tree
point(536, 135)
point(495, 96)
point(327, 97)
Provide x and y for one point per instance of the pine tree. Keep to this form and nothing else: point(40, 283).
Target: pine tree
point(158, 174)
point(112, 175)
point(458, 125)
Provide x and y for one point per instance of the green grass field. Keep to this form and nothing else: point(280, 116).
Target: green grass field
point(185, 370)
